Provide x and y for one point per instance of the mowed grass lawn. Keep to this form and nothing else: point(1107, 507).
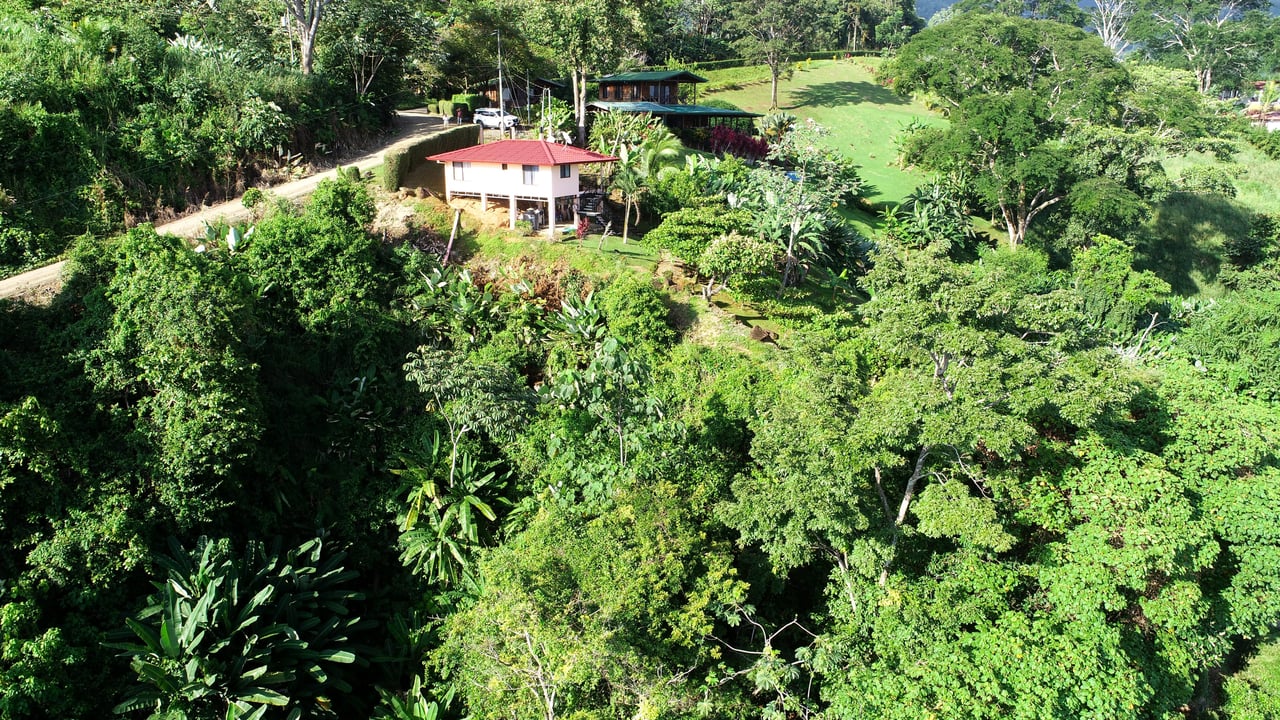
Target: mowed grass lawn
point(863, 117)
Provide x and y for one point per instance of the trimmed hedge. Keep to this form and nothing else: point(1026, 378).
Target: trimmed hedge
point(399, 161)
point(470, 102)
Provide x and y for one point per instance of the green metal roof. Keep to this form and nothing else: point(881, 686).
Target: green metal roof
point(652, 76)
point(684, 110)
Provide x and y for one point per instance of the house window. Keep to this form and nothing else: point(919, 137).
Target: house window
point(604, 92)
point(530, 174)
point(564, 171)
point(460, 170)
point(653, 92)
point(504, 166)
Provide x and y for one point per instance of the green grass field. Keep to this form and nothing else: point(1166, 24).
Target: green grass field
point(1184, 242)
point(863, 117)
point(1256, 188)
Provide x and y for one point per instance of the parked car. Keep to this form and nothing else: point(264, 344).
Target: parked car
point(495, 118)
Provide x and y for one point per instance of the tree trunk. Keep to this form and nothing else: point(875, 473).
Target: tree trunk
point(907, 496)
point(775, 69)
point(626, 217)
point(580, 104)
point(306, 14)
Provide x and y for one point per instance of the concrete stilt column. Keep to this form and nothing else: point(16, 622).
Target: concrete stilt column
point(551, 217)
point(484, 201)
point(513, 212)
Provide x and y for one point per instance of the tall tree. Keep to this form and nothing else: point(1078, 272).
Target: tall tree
point(772, 32)
point(1110, 19)
point(584, 37)
point(304, 17)
point(1208, 37)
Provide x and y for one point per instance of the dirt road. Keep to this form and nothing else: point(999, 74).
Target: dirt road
point(43, 283)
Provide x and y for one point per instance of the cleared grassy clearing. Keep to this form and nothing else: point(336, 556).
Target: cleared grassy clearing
point(1256, 187)
point(863, 117)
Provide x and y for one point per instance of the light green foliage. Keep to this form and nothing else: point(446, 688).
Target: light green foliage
point(793, 200)
point(688, 232)
point(238, 636)
point(343, 200)
point(324, 269)
point(1213, 39)
point(635, 313)
point(1116, 298)
point(931, 215)
point(611, 389)
point(980, 55)
point(595, 615)
point(1209, 179)
point(947, 511)
point(1164, 101)
point(1254, 693)
point(1238, 340)
point(734, 257)
point(1022, 94)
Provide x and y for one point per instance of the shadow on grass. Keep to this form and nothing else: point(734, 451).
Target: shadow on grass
point(845, 92)
point(1183, 243)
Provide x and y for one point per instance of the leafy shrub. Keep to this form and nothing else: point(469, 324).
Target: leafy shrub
point(1210, 179)
point(687, 232)
point(446, 108)
point(675, 189)
point(1267, 142)
point(732, 258)
point(1263, 236)
point(635, 312)
point(252, 197)
point(342, 200)
point(1238, 340)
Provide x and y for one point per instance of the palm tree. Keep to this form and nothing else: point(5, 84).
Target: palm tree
point(639, 166)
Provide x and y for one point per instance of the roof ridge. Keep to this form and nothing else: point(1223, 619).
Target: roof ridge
point(551, 160)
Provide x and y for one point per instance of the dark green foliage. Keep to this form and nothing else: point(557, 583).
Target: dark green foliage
point(1263, 239)
point(687, 232)
point(234, 637)
point(175, 357)
point(109, 119)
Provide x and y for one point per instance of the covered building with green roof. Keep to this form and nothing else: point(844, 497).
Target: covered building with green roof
point(658, 93)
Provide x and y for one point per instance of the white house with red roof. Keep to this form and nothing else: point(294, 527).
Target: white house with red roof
point(522, 173)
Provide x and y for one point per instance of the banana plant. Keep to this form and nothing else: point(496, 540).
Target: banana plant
point(243, 638)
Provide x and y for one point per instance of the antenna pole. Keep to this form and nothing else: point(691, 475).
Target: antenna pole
point(502, 124)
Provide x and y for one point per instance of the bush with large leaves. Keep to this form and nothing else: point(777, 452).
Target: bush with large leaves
point(263, 634)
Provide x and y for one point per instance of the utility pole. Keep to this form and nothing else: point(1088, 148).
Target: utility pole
point(502, 120)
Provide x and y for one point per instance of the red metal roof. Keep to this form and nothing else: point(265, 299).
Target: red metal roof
point(523, 152)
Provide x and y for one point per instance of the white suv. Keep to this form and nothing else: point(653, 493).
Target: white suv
point(495, 118)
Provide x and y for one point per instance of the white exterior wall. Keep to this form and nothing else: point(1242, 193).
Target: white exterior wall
point(564, 186)
point(492, 180)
